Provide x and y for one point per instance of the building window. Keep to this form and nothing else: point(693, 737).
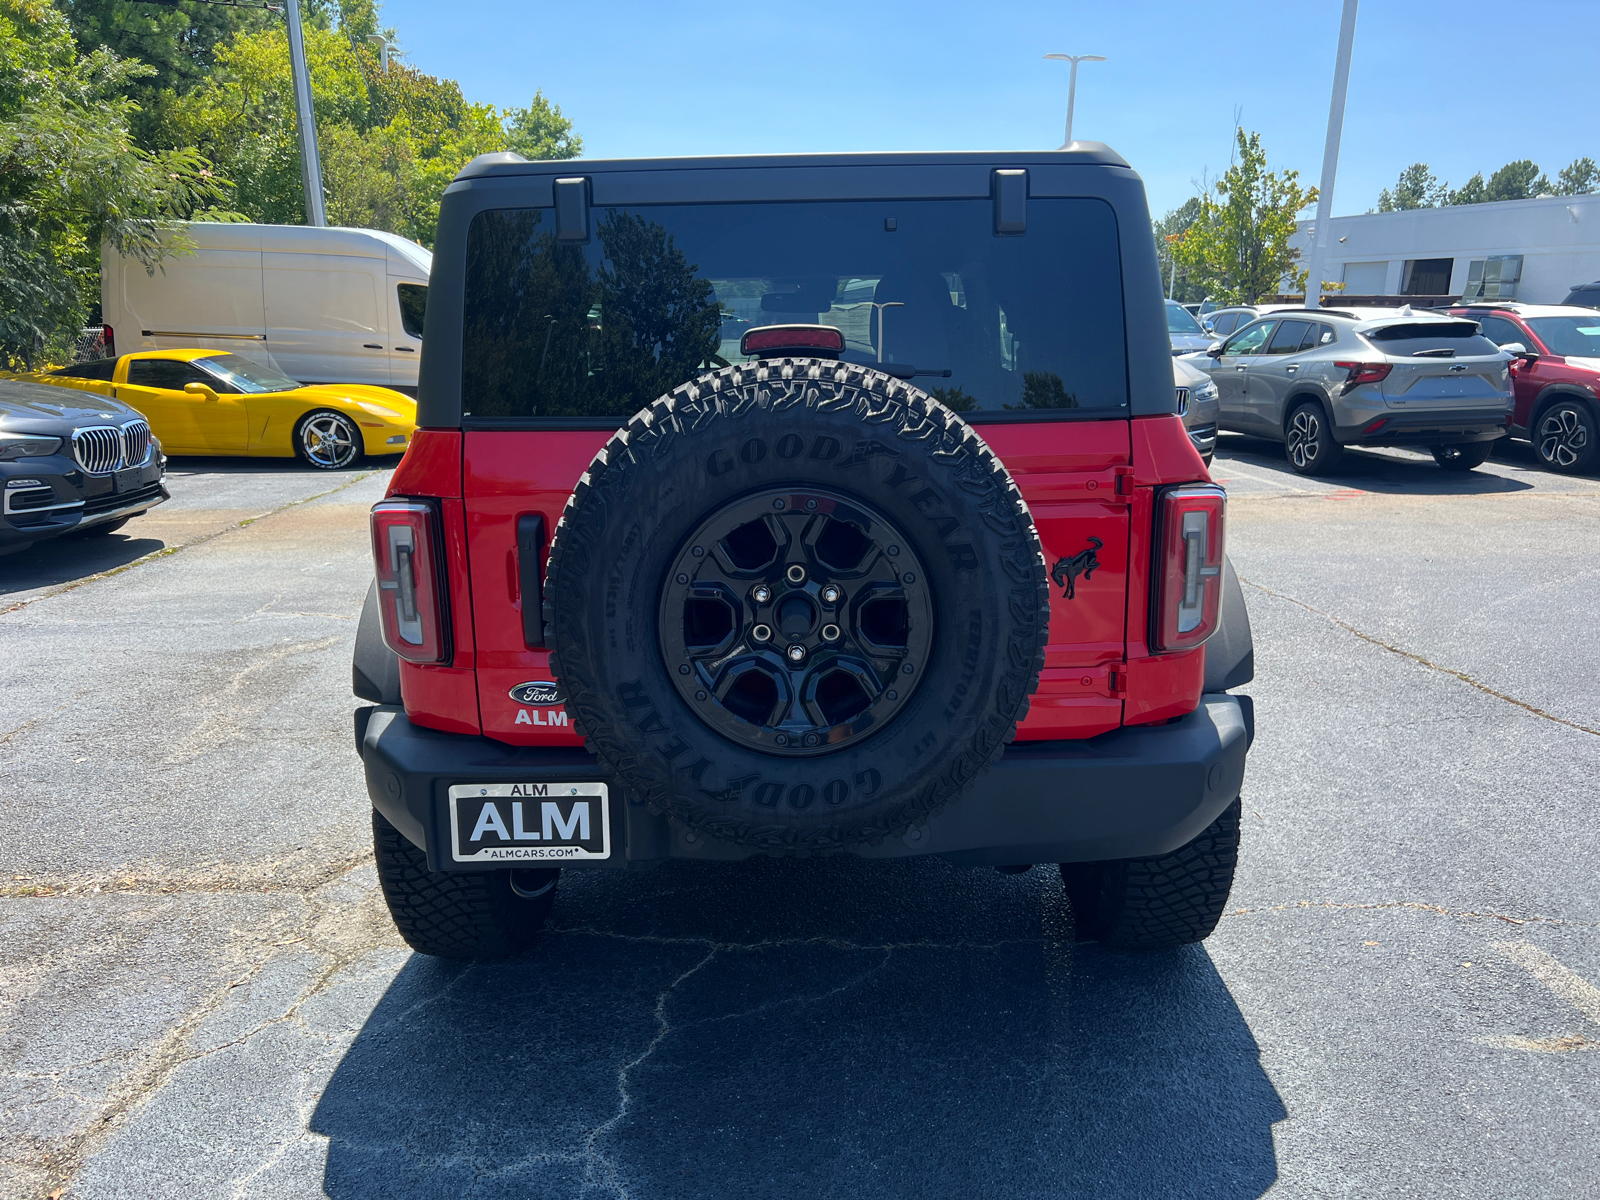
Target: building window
point(1427, 276)
point(1493, 278)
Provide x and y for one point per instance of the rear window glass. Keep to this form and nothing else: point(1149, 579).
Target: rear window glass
point(661, 293)
point(1181, 323)
point(100, 368)
point(1432, 339)
point(413, 298)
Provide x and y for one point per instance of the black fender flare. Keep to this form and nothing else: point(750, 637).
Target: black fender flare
point(1313, 395)
point(1230, 653)
point(374, 669)
point(1553, 394)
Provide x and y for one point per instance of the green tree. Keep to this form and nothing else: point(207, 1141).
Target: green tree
point(1471, 192)
point(1167, 230)
point(72, 178)
point(1579, 178)
point(1238, 249)
point(1417, 187)
point(1520, 180)
point(540, 131)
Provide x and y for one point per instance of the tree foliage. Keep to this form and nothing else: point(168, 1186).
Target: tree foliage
point(1520, 180)
point(71, 177)
point(1238, 247)
point(1167, 230)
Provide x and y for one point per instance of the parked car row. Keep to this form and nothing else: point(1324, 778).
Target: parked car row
point(83, 448)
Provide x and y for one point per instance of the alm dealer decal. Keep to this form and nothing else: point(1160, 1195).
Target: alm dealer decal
point(545, 698)
point(529, 822)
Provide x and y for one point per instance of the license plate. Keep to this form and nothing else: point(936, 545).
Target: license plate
point(529, 822)
point(128, 481)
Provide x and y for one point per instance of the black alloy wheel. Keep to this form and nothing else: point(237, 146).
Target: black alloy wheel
point(1462, 457)
point(1566, 437)
point(797, 620)
point(1308, 441)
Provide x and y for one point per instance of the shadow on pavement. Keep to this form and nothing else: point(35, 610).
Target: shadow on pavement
point(63, 559)
point(1378, 471)
point(812, 1028)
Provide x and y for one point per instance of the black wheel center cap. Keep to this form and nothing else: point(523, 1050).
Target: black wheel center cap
point(796, 620)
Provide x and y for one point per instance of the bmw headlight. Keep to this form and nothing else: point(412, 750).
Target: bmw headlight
point(26, 445)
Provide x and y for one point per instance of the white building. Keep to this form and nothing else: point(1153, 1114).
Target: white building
point(1529, 250)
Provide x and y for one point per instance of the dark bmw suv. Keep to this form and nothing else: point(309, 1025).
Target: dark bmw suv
point(71, 462)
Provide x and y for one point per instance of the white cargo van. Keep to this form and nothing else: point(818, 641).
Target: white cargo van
point(328, 305)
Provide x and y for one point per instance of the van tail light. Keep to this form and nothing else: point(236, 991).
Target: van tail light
point(1360, 372)
point(406, 548)
point(1189, 586)
point(108, 340)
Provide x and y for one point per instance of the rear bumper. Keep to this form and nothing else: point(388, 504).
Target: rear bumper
point(1432, 428)
point(1134, 792)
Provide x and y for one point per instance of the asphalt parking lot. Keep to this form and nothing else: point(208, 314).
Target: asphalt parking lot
point(201, 994)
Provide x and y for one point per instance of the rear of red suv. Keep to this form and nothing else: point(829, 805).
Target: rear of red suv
point(799, 506)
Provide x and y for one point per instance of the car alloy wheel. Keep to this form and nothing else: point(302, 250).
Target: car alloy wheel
point(1565, 438)
point(329, 441)
point(1304, 431)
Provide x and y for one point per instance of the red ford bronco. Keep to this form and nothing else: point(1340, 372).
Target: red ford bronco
point(800, 505)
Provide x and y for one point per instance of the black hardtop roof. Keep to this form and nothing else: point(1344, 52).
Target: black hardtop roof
point(1081, 154)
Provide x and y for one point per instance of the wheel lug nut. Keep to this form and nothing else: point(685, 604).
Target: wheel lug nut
point(830, 594)
point(761, 593)
point(796, 574)
point(830, 633)
point(762, 633)
point(797, 653)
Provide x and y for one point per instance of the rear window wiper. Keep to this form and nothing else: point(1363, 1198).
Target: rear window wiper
point(907, 371)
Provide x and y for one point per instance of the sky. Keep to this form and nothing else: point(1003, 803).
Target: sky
point(1463, 85)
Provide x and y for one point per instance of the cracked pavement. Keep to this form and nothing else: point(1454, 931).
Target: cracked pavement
point(201, 994)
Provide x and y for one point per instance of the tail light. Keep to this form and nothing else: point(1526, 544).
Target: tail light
point(1360, 372)
point(108, 339)
point(406, 549)
point(1189, 586)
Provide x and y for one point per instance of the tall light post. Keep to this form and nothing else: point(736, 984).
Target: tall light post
point(384, 47)
point(1330, 155)
point(310, 164)
point(1072, 84)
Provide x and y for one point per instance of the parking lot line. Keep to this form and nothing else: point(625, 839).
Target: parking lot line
point(1549, 970)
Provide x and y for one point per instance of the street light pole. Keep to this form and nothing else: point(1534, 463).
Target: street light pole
point(310, 164)
point(1330, 155)
point(1072, 84)
point(383, 49)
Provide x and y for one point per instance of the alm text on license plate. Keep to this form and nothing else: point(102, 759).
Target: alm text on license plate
point(529, 822)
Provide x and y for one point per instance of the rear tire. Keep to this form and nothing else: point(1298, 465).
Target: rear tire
point(1157, 903)
point(1567, 438)
point(1308, 441)
point(482, 915)
point(1464, 457)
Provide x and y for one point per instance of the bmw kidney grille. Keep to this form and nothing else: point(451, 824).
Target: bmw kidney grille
point(104, 448)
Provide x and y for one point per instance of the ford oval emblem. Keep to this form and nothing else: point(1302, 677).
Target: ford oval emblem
point(541, 691)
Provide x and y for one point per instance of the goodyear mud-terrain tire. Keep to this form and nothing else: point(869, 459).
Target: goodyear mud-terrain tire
point(1157, 903)
point(482, 915)
point(797, 605)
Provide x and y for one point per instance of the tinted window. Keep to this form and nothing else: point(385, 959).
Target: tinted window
point(413, 306)
point(1290, 336)
point(100, 368)
point(662, 293)
point(1250, 339)
point(165, 373)
point(1584, 298)
point(1224, 324)
point(1181, 323)
point(1501, 331)
point(1432, 338)
point(1322, 335)
point(1578, 337)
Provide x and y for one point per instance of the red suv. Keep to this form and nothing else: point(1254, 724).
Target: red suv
point(798, 506)
point(1556, 377)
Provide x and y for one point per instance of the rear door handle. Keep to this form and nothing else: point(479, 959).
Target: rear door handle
point(370, 346)
point(404, 349)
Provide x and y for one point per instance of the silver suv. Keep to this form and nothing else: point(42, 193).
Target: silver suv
point(1320, 380)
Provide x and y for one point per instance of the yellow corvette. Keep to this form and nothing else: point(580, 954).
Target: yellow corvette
point(213, 402)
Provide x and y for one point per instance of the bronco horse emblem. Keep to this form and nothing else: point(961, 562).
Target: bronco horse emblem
point(1067, 570)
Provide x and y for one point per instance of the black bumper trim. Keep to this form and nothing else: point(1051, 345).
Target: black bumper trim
point(1440, 426)
point(1138, 791)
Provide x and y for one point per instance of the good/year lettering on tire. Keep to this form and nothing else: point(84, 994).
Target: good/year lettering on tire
point(797, 605)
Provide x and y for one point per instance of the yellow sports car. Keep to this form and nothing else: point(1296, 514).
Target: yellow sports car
point(213, 402)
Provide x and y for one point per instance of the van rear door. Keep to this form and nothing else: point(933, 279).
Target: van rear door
point(327, 320)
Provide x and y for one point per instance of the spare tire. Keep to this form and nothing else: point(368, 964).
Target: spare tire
point(797, 605)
